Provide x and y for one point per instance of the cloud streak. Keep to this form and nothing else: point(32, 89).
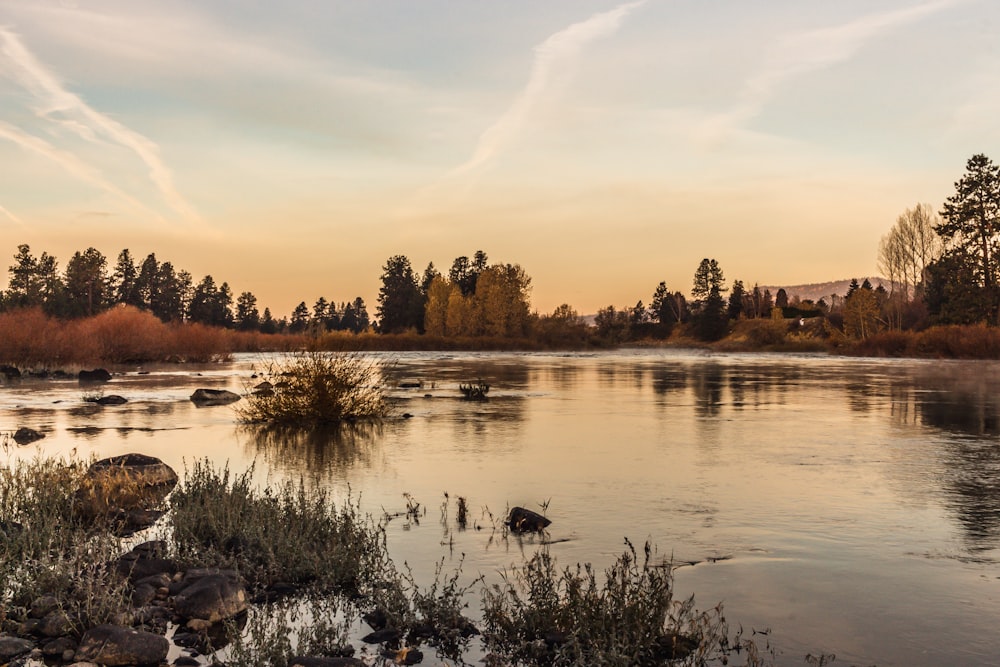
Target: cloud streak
point(554, 60)
point(11, 216)
point(66, 109)
point(67, 161)
point(812, 50)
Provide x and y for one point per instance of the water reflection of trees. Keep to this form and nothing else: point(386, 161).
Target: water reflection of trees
point(311, 450)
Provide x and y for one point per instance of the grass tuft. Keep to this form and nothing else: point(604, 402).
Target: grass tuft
point(315, 388)
point(284, 534)
point(540, 615)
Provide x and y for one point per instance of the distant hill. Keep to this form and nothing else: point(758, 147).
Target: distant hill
point(817, 291)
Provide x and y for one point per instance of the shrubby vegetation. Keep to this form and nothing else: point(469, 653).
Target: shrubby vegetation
point(940, 269)
point(314, 565)
point(315, 388)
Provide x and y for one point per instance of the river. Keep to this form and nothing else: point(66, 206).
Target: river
point(834, 506)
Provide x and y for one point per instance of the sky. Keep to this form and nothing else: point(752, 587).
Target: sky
point(291, 148)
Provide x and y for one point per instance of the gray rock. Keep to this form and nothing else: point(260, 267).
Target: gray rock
point(113, 399)
point(214, 597)
point(521, 520)
point(58, 647)
point(43, 606)
point(25, 436)
point(204, 397)
point(94, 376)
point(145, 470)
point(11, 647)
point(56, 624)
point(114, 646)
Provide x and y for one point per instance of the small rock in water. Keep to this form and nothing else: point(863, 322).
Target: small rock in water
point(523, 520)
point(24, 435)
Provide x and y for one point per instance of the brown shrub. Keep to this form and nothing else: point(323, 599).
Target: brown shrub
point(959, 342)
point(197, 342)
point(123, 334)
point(29, 338)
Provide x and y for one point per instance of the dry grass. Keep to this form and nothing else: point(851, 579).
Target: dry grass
point(30, 339)
point(540, 615)
point(285, 534)
point(939, 342)
point(316, 388)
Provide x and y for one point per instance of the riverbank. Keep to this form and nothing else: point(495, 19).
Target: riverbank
point(32, 341)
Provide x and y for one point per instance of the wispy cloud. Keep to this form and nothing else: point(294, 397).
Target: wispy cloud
point(54, 103)
point(11, 216)
point(812, 50)
point(553, 63)
point(67, 161)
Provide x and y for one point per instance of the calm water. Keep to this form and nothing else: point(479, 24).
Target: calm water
point(855, 503)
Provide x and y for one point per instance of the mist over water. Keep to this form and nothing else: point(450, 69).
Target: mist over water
point(844, 506)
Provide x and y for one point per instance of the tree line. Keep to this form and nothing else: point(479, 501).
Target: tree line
point(941, 268)
point(86, 287)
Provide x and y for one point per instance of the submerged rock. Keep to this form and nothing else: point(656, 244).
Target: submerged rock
point(94, 376)
point(204, 397)
point(521, 520)
point(26, 436)
point(113, 399)
point(113, 645)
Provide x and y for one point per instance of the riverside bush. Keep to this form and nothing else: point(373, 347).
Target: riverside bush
point(281, 534)
point(540, 615)
point(315, 388)
point(46, 549)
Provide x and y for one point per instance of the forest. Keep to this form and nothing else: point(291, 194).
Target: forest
point(940, 297)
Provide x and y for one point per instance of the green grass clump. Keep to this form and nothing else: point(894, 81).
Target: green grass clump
point(540, 615)
point(315, 388)
point(282, 534)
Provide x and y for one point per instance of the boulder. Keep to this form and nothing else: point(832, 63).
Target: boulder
point(126, 489)
point(142, 469)
point(9, 372)
point(25, 436)
point(147, 564)
point(11, 647)
point(113, 399)
point(522, 520)
point(95, 376)
point(112, 645)
point(212, 597)
point(205, 397)
point(56, 624)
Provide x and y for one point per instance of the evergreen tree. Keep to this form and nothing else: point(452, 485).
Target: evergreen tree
point(86, 283)
point(300, 318)
point(712, 321)
point(737, 296)
point(247, 315)
point(971, 231)
point(267, 323)
point(124, 285)
point(362, 321)
point(203, 302)
point(400, 303)
point(706, 277)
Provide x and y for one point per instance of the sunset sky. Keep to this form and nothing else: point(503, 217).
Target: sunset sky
point(290, 148)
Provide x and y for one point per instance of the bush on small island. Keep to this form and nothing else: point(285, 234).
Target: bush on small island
point(315, 388)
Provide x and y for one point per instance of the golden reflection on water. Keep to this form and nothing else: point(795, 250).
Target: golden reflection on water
point(850, 494)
